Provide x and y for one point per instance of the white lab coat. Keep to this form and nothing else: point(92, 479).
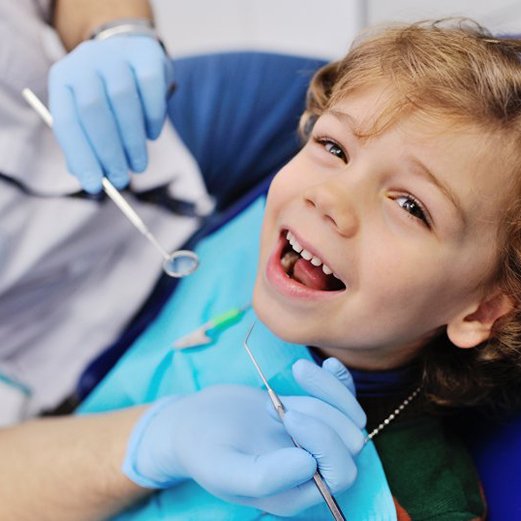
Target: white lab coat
point(72, 272)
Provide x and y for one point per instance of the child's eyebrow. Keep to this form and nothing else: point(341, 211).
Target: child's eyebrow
point(344, 117)
point(421, 168)
point(447, 192)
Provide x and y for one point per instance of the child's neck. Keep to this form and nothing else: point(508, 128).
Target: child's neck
point(385, 382)
point(372, 360)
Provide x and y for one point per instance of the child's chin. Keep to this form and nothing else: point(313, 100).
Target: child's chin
point(278, 324)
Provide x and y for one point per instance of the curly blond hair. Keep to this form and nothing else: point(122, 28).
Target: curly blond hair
point(456, 69)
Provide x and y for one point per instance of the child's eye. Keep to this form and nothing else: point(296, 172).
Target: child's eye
point(332, 147)
point(413, 207)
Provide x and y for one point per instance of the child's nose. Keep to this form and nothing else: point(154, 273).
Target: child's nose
point(335, 206)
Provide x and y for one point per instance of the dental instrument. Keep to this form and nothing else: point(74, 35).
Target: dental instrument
point(179, 263)
point(205, 334)
point(281, 411)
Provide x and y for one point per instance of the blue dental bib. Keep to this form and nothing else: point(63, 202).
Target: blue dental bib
point(151, 369)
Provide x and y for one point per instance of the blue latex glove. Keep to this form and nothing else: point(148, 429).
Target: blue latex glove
point(227, 440)
point(106, 98)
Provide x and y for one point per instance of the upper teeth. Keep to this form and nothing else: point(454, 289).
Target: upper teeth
point(306, 254)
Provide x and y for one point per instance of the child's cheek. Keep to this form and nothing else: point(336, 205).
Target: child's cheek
point(284, 185)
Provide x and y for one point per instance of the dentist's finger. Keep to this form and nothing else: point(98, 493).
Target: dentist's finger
point(124, 100)
point(351, 435)
point(323, 385)
point(335, 461)
point(151, 79)
point(260, 475)
point(97, 119)
point(285, 504)
point(79, 155)
point(339, 370)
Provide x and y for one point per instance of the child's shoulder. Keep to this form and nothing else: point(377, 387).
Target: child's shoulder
point(430, 472)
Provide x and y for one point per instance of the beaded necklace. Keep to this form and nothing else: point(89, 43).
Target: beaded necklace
point(393, 415)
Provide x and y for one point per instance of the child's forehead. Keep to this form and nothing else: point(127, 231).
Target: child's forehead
point(361, 108)
point(378, 109)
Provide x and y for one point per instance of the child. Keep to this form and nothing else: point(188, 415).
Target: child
point(390, 242)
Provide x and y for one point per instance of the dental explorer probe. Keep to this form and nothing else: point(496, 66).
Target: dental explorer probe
point(281, 411)
point(177, 264)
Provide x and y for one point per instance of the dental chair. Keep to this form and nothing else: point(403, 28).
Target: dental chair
point(238, 114)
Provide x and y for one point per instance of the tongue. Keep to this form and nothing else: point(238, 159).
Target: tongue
point(309, 275)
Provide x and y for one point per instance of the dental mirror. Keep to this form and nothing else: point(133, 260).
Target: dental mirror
point(178, 264)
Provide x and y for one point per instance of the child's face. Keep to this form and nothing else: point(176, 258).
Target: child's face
point(414, 249)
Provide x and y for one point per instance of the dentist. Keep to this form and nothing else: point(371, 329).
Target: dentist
point(73, 271)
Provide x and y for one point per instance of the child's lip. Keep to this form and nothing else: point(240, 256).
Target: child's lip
point(279, 280)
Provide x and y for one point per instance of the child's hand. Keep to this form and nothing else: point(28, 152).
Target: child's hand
point(228, 441)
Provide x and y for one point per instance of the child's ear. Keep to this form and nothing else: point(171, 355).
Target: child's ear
point(473, 326)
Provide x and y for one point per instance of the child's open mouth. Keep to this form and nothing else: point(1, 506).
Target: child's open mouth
point(307, 269)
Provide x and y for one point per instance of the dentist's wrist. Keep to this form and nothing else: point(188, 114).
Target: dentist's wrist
point(150, 460)
point(124, 27)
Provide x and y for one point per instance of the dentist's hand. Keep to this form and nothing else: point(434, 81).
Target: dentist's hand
point(106, 98)
point(227, 440)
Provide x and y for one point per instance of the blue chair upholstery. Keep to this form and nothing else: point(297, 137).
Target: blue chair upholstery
point(238, 113)
point(496, 449)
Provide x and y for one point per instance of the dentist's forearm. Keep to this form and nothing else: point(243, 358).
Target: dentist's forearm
point(68, 468)
point(76, 19)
